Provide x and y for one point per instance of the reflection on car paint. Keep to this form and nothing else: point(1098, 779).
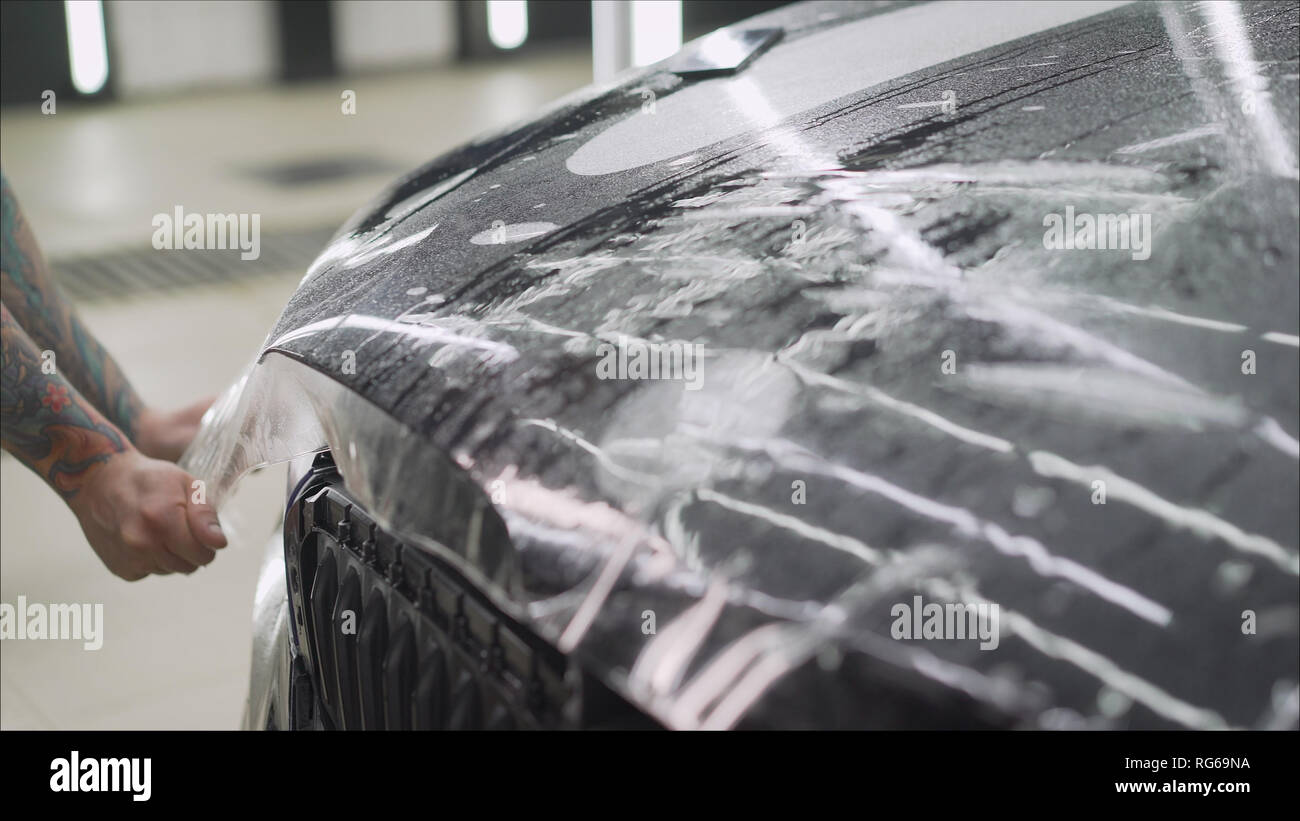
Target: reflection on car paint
point(827, 262)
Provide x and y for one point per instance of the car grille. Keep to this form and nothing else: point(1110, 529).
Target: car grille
point(388, 636)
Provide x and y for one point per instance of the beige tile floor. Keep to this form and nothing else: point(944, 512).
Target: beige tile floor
point(176, 649)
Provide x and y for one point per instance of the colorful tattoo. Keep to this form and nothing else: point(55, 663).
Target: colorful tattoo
point(39, 307)
point(44, 421)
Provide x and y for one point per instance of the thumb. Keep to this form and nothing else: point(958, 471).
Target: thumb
point(203, 520)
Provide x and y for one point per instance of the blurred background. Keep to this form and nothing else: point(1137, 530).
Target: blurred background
point(300, 112)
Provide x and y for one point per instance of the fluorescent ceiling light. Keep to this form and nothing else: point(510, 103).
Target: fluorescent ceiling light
point(507, 23)
point(87, 48)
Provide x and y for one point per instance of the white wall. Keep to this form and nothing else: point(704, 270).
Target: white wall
point(160, 46)
point(372, 35)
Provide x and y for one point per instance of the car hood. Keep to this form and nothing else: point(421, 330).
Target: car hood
point(902, 390)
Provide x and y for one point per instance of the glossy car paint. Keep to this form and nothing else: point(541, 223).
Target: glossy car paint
point(903, 391)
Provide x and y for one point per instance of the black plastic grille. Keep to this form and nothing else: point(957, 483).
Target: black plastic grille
point(393, 638)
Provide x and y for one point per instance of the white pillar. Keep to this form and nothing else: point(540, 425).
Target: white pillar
point(611, 38)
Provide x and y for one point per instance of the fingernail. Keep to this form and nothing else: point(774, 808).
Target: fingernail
point(214, 530)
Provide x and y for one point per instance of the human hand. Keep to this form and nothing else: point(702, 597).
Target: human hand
point(138, 515)
point(166, 434)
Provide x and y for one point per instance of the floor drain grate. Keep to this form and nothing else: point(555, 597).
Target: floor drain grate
point(147, 270)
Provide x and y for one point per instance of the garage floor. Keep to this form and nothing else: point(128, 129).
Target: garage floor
point(91, 178)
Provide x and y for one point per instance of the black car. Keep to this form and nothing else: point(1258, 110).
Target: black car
point(861, 365)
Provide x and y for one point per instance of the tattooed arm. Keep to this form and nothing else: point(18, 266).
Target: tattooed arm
point(44, 420)
point(37, 304)
point(39, 307)
point(136, 512)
